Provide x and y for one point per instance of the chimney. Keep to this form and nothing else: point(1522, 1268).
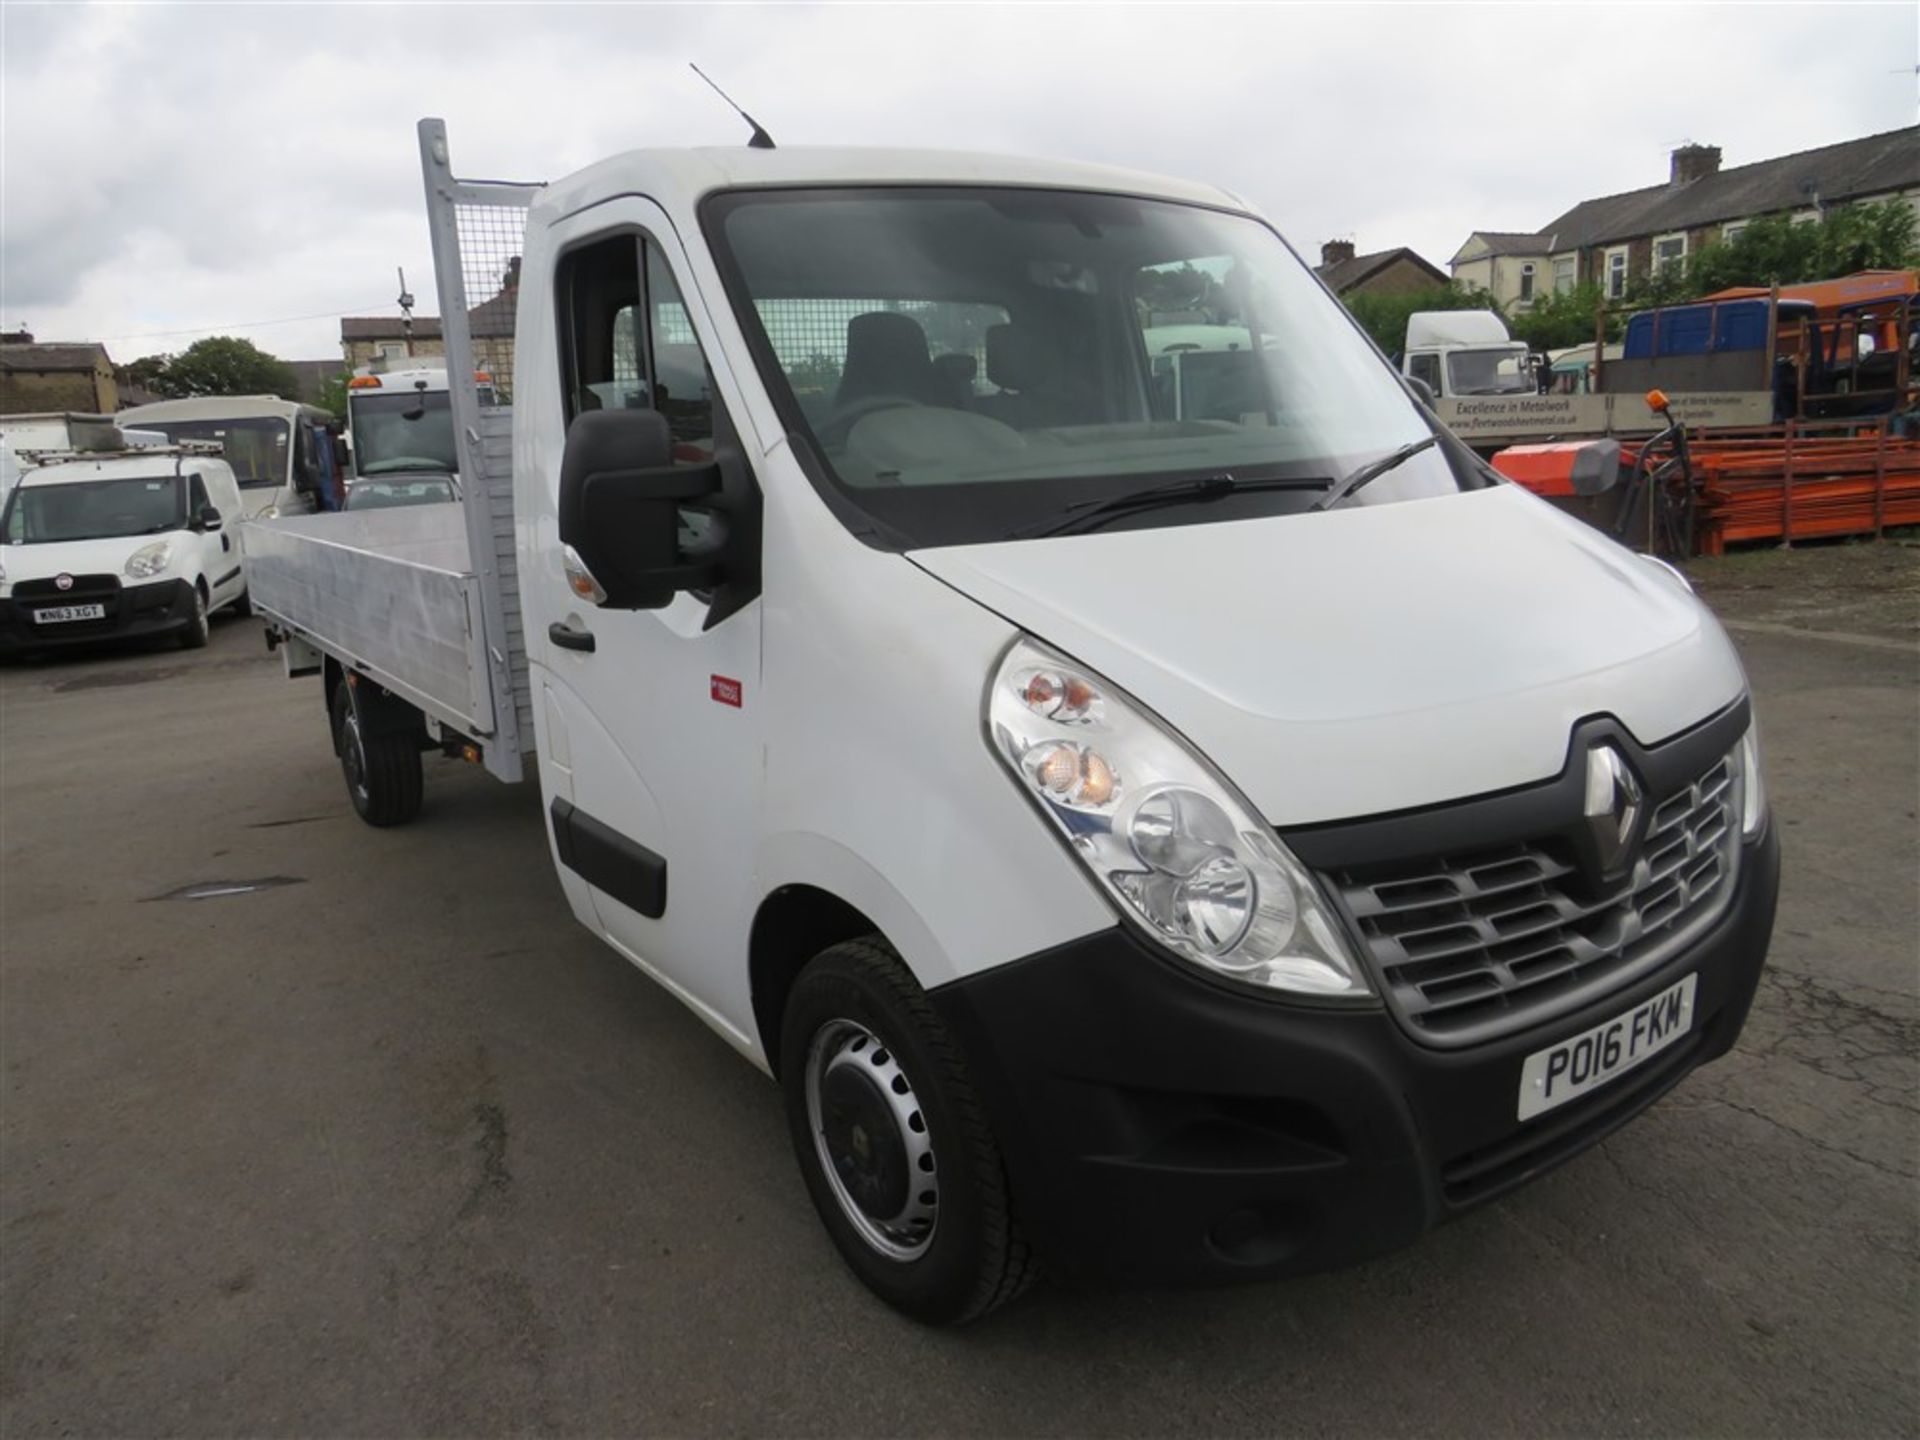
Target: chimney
point(1694, 162)
point(1334, 251)
point(21, 336)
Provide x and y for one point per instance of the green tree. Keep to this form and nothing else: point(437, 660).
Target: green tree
point(145, 372)
point(224, 365)
point(333, 395)
point(1873, 235)
point(1384, 317)
point(1564, 319)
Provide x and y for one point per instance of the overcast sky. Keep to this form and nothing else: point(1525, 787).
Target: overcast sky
point(202, 168)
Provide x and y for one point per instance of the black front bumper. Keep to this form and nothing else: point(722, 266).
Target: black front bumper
point(1157, 1126)
point(131, 611)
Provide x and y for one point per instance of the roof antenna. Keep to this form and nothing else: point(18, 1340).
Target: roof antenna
point(759, 140)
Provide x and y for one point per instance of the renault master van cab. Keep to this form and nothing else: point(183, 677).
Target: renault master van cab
point(1140, 842)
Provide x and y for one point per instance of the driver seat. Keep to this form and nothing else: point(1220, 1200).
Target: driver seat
point(886, 356)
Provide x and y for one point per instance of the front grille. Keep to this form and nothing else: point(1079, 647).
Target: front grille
point(1469, 947)
point(86, 590)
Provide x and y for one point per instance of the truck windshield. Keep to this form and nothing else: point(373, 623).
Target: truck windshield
point(1489, 372)
point(93, 510)
point(402, 430)
point(259, 448)
point(967, 361)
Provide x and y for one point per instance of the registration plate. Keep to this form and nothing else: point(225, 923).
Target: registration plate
point(57, 614)
point(1584, 1062)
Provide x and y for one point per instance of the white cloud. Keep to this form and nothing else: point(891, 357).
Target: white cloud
point(167, 168)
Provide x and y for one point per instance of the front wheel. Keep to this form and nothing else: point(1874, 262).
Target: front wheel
point(195, 636)
point(382, 771)
point(891, 1140)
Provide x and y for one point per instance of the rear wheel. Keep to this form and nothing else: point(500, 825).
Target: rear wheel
point(892, 1142)
point(195, 636)
point(243, 607)
point(382, 771)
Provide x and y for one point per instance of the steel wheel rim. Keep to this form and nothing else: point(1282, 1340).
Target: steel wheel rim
point(854, 1081)
point(354, 756)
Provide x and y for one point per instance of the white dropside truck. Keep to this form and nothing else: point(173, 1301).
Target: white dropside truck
point(1171, 847)
point(1457, 353)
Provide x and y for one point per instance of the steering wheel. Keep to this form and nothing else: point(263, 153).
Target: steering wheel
point(840, 424)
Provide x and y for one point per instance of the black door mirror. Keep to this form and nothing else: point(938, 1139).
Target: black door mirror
point(1596, 468)
point(620, 509)
point(206, 518)
point(1422, 391)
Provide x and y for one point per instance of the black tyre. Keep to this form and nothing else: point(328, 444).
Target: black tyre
point(382, 771)
point(243, 607)
point(892, 1142)
point(195, 636)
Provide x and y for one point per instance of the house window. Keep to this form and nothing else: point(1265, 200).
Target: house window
point(1730, 232)
point(391, 351)
point(1669, 253)
point(1616, 268)
point(1563, 268)
point(1526, 281)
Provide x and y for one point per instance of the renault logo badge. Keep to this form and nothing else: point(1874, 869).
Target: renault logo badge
point(1613, 806)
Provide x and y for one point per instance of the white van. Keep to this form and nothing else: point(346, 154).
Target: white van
point(280, 450)
point(99, 545)
point(1155, 846)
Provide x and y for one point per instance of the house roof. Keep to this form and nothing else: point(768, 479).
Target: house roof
point(1874, 165)
point(1511, 242)
point(1344, 275)
point(388, 327)
point(488, 318)
point(51, 357)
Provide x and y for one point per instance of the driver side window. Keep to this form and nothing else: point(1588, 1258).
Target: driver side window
point(626, 341)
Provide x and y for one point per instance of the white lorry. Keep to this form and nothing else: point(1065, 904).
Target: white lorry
point(400, 422)
point(1168, 847)
point(118, 542)
point(1456, 353)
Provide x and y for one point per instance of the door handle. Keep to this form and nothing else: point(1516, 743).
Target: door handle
point(568, 638)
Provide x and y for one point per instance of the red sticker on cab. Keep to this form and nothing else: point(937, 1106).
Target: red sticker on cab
point(726, 692)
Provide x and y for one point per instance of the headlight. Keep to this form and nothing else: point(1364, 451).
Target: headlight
point(149, 560)
point(1170, 842)
point(1753, 788)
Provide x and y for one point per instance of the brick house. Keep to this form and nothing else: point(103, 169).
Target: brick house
point(379, 341)
point(1618, 239)
point(369, 342)
point(36, 377)
point(1384, 272)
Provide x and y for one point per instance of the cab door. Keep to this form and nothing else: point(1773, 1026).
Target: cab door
point(650, 719)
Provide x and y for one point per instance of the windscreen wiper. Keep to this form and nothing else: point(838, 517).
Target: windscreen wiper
point(1370, 472)
point(1087, 515)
